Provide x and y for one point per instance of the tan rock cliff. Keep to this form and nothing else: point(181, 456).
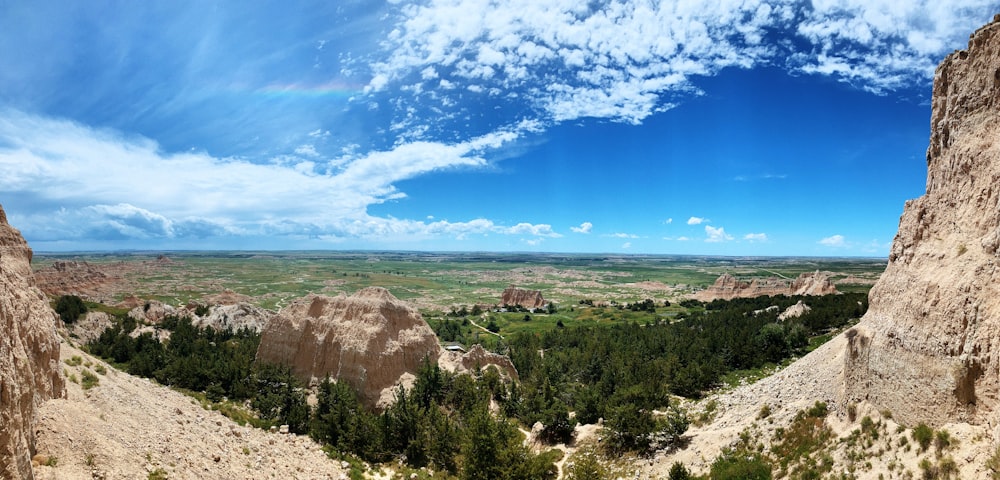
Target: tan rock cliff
point(518, 296)
point(369, 339)
point(929, 347)
point(728, 287)
point(29, 354)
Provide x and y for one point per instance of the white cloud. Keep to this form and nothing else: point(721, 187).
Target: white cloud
point(584, 227)
point(622, 235)
point(836, 241)
point(683, 239)
point(755, 237)
point(668, 221)
point(626, 245)
point(625, 60)
point(696, 221)
point(307, 150)
point(145, 193)
point(715, 235)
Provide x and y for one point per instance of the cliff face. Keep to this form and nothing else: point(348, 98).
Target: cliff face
point(727, 287)
point(29, 353)
point(929, 347)
point(525, 298)
point(369, 339)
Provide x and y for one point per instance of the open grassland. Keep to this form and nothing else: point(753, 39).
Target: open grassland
point(439, 281)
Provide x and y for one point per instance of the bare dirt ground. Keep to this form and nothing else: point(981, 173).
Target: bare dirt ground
point(127, 428)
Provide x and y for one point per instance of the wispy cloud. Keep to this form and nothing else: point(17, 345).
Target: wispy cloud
point(622, 235)
point(195, 194)
point(697, 221)
point(836, 241)
point(755, 237)
point(584, 227)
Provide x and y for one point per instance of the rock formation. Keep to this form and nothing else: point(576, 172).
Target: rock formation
point(795, 311)
point(29, 353)
point(152, 311)
point(476, 358)
point(526, 298)
point(369, 339)
point(234, 317)
point(77, 278)
point(929, 347)
point(727, 287)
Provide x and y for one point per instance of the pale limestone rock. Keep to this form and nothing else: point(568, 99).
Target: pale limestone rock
point(928, 349)
point(728, 287)
point(29, 354)
point(369, 339)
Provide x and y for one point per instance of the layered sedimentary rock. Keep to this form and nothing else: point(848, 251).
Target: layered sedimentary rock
point(727, 287)
point(369, 339)
point(475, 359)
point(29, 353)
point(234, 316)
point(518, 296)
point(929, 347)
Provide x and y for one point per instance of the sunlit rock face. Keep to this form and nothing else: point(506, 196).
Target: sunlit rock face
point(370, 339)
point(512, 296)
point(928, 349)
point(29, 353)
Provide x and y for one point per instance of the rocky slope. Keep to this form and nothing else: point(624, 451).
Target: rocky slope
point(518, 296)
point(370, 339)
point(127, 427)
point(29, 353)
point(728, 287)
point(929, 347)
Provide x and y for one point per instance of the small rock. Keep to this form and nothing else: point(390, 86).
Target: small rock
point(216, 458)
point(283, 429)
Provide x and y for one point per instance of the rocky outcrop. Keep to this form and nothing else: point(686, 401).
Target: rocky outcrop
point(795, 311)
point(234, 316)
point(728, 287)
point(29, 353)
point(475, 359)
point(369, 339)
point(928, 348)
point(518, 296)
point(77, 278)
point(153, 311)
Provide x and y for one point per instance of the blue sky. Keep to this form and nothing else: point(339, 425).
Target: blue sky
point(745, 127)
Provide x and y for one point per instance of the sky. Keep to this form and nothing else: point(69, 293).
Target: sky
point(726, 127)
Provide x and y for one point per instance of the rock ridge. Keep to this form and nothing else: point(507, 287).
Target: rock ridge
point(29, 354)
point(928, 348)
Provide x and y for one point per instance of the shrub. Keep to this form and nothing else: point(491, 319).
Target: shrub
point(942, 440)
point(679, 472)
point(923, 435)
point(70, 308)
point(90, 380)
point(737, 466)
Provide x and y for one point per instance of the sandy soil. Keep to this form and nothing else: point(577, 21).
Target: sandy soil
point(127, 427)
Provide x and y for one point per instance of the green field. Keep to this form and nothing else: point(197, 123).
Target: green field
point(438, 281)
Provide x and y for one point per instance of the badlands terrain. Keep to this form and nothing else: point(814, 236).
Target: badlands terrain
point(908, 391)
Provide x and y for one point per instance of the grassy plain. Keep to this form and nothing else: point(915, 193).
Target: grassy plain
point(437, 281)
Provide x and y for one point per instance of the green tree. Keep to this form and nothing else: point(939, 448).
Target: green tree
point(70, 308)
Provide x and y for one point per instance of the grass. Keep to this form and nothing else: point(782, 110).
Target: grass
point(89, 379)
point(274, 278)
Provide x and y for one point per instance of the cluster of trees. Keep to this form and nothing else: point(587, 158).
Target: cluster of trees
point(625, 371)
point(444, 422)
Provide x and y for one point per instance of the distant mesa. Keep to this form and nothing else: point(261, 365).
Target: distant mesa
point(728, 287)
point(371, 340)
point(526, 298)
point(76, 278)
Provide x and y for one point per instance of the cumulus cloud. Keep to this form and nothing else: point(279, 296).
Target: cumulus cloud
point(584, 227)
point(696, 221)
point(626, 60)
point(715, 235)
point(755, 237)
point(836, 241)
point(668, 221)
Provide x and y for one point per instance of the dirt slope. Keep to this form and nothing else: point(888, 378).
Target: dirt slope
point(127, 427)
